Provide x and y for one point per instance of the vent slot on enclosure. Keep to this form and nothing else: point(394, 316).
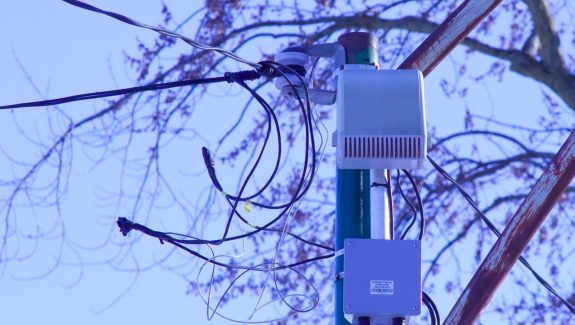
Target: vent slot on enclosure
point(398, 147)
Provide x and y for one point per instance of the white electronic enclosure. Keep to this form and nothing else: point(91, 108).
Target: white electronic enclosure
point(382, 277)
point(380, 118)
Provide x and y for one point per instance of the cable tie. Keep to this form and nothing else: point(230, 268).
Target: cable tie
point(224, 194)
point(337, 276)
point(338, 253)
point(375, 184)
point(248, 206)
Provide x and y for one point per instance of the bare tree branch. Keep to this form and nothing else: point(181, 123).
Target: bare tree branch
point(545, 30)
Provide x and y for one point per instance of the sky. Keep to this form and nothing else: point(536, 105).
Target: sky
point(65, 50)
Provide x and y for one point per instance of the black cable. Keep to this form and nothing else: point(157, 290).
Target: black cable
point(419, 201)
point(310, 141)
point(414, 219)
point(435, 309)
point(432, 308)
point(296, 197)
point(398, 321)
point(268, 66)
point(160, 30)
point(308, 121)
point(280, 72)
point(254, 167)
point(298, 237)
point(210, 166)
point(228, 77)
point(430, 311)
point(126, 226)
point(389, 193)
point(299, 193)
point(271, 116)
point(492, 227)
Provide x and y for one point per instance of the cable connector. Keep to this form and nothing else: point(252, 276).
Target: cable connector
point(210, 167)
point(271, 71)
point(268, 70)
point(125, 225)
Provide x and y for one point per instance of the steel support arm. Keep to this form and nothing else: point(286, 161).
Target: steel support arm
point(526, 221)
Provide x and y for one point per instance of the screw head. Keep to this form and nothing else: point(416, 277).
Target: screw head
point(347, 306)
point(348, 243)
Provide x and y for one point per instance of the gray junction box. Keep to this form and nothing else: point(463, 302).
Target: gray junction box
point(382, 277)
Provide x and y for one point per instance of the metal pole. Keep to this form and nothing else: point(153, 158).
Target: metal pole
point(353, 186)
point(381, 222)
point(526, 221)
point(448, 35)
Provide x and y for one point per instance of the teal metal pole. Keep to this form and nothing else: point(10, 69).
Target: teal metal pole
point(353, 186)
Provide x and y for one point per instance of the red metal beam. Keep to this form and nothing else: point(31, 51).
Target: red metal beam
point(540, 200)
point(504, 254)
point(450, 33)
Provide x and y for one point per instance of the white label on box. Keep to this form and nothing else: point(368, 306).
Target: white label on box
point(381, 287)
